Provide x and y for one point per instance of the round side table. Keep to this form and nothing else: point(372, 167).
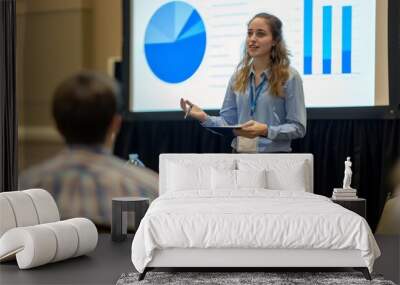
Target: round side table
point(120, 208)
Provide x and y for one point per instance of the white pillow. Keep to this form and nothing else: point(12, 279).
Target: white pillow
point(281, 174)
point(222, 179)
point(292, 181)
point(185, 175)
point(251, 178)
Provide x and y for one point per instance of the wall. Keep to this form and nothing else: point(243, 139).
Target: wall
point(107, 32)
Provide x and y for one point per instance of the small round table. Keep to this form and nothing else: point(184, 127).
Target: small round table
point(120, 208)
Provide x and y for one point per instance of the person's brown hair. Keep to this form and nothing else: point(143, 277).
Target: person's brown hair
point(279, 59)
point(84, 106)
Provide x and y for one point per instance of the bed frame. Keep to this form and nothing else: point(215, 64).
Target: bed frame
point(242, 259)
point(246, 259)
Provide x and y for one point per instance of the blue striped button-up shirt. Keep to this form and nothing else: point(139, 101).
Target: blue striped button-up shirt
point(285, 116)
point(83, 180)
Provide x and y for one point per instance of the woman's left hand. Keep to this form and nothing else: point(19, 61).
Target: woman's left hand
point(252, 129)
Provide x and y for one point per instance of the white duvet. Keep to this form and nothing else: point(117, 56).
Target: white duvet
point(252, 218)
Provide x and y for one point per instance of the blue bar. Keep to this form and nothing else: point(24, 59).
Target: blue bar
point(346, 38)
point(308, 35)
point(327, 40)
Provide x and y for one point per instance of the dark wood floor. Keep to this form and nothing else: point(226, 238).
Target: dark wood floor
point(102, 266)
point(110, 259)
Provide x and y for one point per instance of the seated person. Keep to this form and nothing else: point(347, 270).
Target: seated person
point(389, 223)
point(85, 176)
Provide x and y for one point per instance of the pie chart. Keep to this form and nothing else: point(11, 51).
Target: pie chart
point(175, 42)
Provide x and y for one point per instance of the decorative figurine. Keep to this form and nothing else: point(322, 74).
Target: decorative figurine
point(347, 192)
point(347, 174)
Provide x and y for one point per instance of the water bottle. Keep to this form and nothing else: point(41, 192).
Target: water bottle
point(134, 159)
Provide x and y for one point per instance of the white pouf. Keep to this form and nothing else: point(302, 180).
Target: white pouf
point(41, 244)
point(31, 230)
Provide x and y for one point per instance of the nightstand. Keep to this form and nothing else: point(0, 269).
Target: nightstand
point(358, 205)
point(120, 208)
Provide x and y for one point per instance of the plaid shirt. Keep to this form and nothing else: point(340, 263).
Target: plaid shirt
point(84, 180)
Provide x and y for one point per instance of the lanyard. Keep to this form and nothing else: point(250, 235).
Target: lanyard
point(253, 99)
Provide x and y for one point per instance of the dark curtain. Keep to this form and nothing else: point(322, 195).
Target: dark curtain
point(8, 122)
point(373, 145)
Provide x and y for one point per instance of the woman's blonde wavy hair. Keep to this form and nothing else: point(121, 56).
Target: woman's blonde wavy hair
point(279, 59)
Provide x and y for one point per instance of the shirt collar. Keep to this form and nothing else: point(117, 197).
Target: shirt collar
point(252, 72)
point(97, 148)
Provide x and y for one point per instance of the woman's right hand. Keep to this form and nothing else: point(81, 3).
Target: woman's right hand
point(195, 111)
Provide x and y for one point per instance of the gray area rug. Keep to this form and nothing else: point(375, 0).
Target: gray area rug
point(229, 278)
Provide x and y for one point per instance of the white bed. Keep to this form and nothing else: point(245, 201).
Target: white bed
point(247, 210)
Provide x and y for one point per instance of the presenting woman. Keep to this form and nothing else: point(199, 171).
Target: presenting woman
point(264, 95)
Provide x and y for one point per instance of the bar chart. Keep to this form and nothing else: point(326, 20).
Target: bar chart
point(327, 43)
